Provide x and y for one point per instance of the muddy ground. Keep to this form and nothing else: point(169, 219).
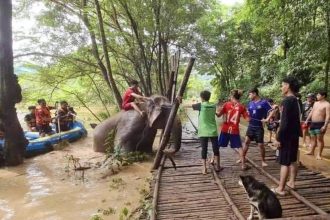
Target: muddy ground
point(45, 187)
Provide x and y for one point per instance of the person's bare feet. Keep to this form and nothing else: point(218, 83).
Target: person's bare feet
point(264, 164)
point(204, 171)
point(278, 192)
point(318, 157)
point(291, 185)
point(238, 161)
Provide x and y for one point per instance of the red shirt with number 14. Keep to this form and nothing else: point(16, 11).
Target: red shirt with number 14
point(233, 112)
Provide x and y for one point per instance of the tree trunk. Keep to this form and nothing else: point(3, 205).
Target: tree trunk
point(171, 117)
point(10, 91)
point(106, 56)
point(159, 54)
point(165, 63)
point(327, 66)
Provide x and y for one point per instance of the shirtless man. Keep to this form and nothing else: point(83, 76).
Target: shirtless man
point(319, 116)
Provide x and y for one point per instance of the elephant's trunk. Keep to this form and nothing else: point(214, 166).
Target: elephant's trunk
point(102, 130)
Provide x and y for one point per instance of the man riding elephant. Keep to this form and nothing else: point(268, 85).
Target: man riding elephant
point(135, 132)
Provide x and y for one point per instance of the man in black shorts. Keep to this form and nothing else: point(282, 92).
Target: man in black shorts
point(288, 135)
point(258, 109)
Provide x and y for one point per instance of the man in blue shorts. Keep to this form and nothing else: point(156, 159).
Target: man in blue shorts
point(258, 109)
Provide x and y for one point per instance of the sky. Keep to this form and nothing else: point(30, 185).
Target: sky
point(231, 2)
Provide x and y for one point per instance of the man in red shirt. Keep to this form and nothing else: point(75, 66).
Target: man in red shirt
point(233, 110)
point(132, 93)
point(43, 118)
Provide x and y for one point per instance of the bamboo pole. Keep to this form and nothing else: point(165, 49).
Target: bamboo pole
point(176, 70)
point(156, 191)
point(170, 120)
point(292, 192)
point(232, 205)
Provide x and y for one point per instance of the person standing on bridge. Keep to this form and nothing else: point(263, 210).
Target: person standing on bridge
point(258, 109)
point(207, 128)
point(320, 116)
point(288, 135)
point(233, 110)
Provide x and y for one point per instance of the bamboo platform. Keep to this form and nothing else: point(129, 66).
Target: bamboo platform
point(186, 193)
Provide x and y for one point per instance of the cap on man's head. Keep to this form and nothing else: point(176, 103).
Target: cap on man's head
point(310, 95)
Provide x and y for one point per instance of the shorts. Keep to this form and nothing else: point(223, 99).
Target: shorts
point(256, 134)
point(315, 128)
point(235, 140)
point(272, 126)
point(127, 106)
point(304, 126)
point(44, 129)
point(288, 151)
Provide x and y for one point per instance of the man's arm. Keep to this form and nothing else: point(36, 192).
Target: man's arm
point(309, 116)
point(138, 96)
point(220, 111)
point(327, 117)
point(246, 115)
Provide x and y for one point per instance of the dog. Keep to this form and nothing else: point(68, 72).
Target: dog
point(261, 199)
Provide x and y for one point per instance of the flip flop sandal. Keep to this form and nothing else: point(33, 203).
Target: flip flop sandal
point(218, 170)
point(278, 193)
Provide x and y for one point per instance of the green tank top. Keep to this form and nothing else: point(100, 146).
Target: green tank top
point(207, 126)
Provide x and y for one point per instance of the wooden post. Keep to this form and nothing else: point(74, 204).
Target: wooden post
point(170, 86)
point(176, 66)
point(170, 120)
point(10, 91)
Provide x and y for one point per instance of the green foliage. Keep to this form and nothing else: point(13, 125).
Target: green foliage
point(260, 42)
point(96, 217)
point(107, 212)
point(117, 183)
point(123, 214)
point(110, 143)
point(253, 44)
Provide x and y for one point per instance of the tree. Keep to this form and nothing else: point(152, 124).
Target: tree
point(10, 91)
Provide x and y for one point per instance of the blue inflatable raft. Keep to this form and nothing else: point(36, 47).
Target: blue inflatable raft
point(39, 145)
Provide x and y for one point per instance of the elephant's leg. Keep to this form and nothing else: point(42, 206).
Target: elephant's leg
point(102, 130)
point(176, 134)
point(148, 137)
point(175, 139)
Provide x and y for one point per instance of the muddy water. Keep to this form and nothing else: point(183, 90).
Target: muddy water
point(43, 189)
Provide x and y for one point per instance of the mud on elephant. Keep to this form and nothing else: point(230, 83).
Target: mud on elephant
point(135, 132)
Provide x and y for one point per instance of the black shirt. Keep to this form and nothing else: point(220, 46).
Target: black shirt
point(30, 119)
point(290, 119)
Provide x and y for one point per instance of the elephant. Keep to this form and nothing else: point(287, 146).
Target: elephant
point(135, 132)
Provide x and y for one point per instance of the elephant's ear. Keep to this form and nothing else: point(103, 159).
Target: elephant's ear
point(153, 115)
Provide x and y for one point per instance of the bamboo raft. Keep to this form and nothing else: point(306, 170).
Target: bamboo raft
point(186, 193)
